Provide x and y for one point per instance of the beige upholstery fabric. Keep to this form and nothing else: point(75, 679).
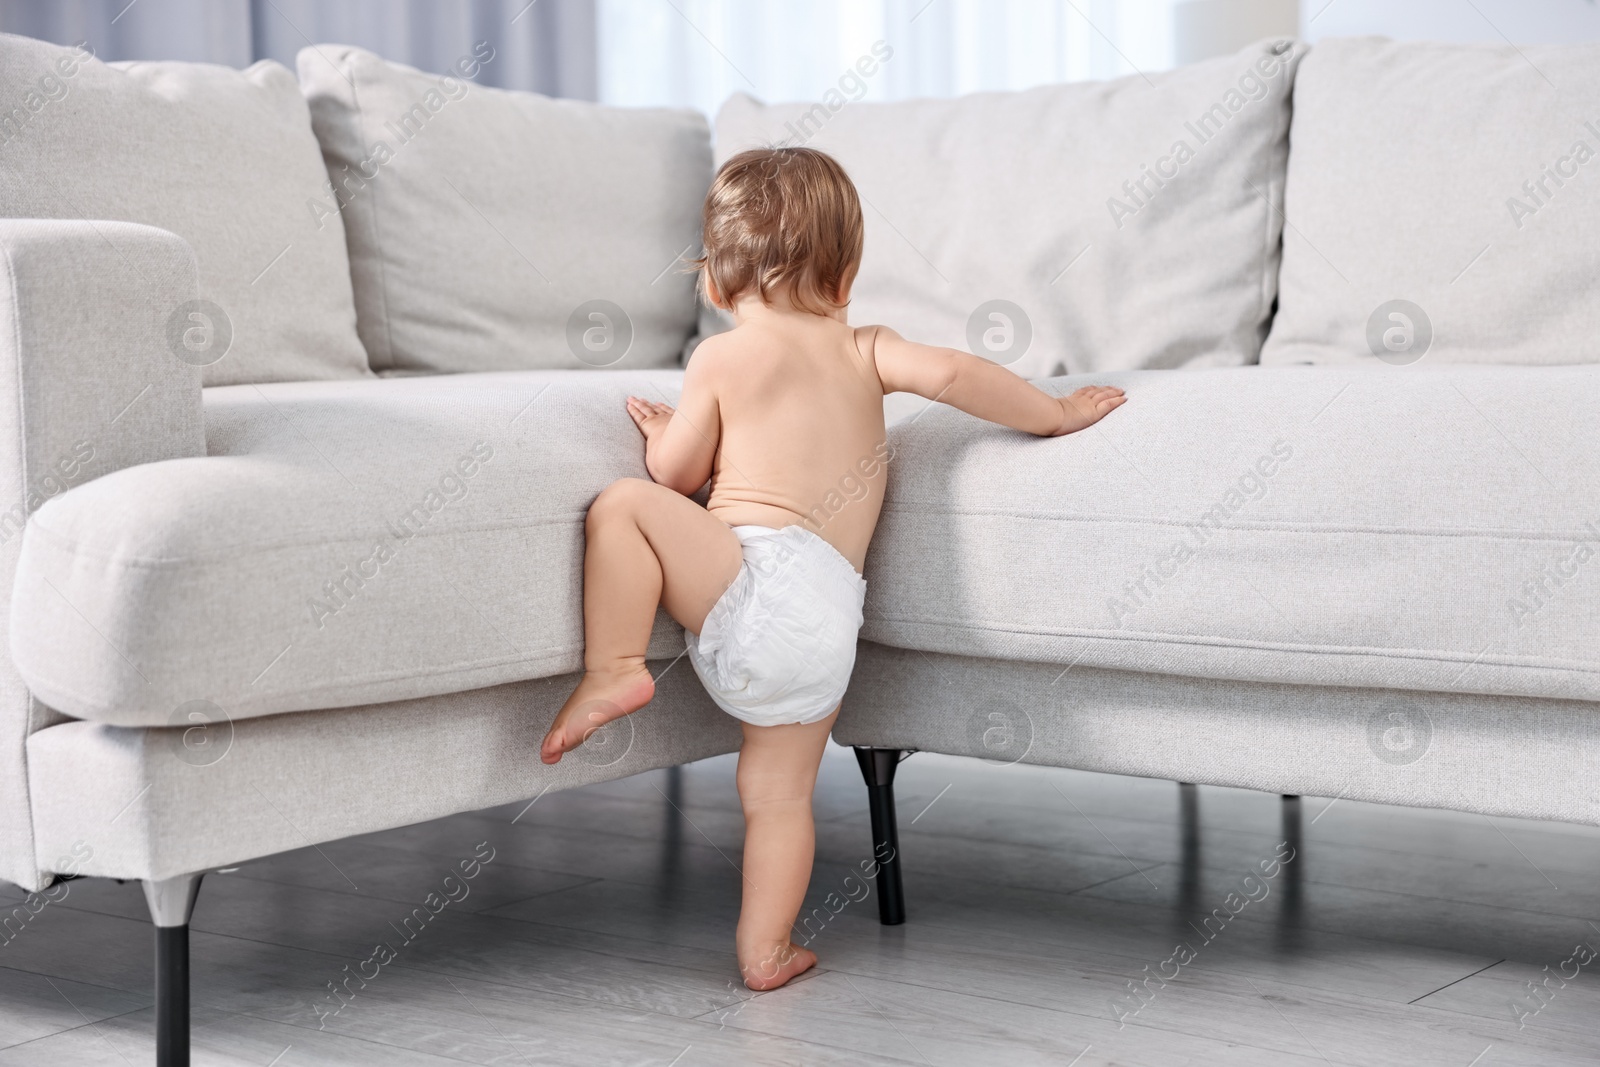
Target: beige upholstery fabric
point(1420, 528)
point(347, 543)
point(224, 158)
point(487, 228)
point(90, 387)
point(1452, 185)
point(1130, 223)
point(156, 803)
point(344, 543)
point(1496, 755)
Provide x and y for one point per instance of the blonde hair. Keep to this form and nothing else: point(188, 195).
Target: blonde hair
point(781, 220)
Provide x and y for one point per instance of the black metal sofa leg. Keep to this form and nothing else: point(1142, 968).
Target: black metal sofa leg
point(171, 902)
point(878, 767)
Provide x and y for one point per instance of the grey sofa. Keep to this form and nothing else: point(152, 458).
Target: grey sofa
point(300, 435)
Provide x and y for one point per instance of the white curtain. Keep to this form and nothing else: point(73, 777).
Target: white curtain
point(547, 46)
point(695, 53)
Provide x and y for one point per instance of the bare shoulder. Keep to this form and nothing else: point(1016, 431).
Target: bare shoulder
point(870, 342)
point(715, 349)
point(869, 338)
point(906, 366)
point(713, 356)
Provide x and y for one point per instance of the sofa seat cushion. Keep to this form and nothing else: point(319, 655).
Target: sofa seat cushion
point(343, 543)
point(1428, 529)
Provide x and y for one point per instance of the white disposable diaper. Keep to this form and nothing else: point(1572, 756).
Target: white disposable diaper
point(778, 646)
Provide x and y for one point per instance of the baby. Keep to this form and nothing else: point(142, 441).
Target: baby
point(766, 578)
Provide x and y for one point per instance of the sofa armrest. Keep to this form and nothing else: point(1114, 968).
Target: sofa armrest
point(89, 384)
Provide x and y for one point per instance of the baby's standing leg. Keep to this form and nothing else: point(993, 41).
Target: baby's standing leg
point(647, 545)
point(777, 773)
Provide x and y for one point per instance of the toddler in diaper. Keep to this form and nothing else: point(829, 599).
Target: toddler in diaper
point(783, 415)
point(778, 645)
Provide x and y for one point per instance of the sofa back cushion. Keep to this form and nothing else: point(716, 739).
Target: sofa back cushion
point(225, 159)
point(1443, 203)
point(499, 230)
point(1087, 227)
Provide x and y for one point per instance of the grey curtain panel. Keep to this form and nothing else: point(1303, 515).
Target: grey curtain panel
point(546, 46)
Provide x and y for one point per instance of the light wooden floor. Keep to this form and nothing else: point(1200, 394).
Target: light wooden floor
point(601, 933)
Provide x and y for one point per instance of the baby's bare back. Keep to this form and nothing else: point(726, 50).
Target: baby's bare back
point(802, 435)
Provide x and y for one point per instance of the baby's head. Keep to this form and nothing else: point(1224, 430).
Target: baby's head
point(781, 222)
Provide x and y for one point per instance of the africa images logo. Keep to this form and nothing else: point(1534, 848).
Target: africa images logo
point(1399, 332)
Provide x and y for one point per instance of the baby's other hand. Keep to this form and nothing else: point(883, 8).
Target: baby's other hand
point(1088, 406)
point(650, 417)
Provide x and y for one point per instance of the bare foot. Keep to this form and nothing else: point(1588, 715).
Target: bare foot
point(775, 967)
point(599, 698)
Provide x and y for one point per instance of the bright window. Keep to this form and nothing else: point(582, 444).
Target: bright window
point(696, 53)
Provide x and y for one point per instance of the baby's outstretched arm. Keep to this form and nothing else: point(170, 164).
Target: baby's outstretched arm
point(981, 388)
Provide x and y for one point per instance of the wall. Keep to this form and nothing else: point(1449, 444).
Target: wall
point(1496, 21)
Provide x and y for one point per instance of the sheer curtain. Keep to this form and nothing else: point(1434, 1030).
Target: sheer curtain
point(547, 46)
point(695, 53)
point(692, 53)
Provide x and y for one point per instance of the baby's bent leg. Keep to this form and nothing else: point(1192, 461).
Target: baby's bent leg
point(777, 773)
point(646, 545)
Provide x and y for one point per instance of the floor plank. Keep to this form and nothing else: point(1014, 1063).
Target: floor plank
point(601, 933)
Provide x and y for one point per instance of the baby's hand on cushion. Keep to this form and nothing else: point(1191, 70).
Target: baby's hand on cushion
point(1088, 406)
point(650, 417)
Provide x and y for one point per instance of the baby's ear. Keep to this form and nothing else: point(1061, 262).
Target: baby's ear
point(843, 295)
point(712, 296)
